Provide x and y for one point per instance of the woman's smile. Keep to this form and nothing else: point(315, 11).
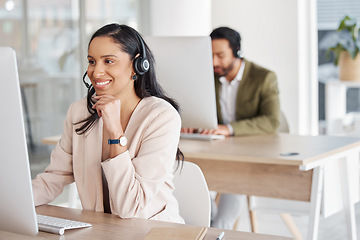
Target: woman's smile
point(102, 84)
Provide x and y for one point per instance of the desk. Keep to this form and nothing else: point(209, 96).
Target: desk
point(52, 140)
point(252, 165)
point(108, 226)
point(324, 174)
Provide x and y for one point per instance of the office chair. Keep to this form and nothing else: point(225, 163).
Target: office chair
point(192, 193)
point(284, 126)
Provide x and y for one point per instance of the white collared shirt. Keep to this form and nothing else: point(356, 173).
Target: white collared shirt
point(227, 97)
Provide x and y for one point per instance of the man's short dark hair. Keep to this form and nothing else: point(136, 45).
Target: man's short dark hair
point(229, 34)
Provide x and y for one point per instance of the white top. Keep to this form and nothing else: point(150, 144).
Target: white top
point(227, 96)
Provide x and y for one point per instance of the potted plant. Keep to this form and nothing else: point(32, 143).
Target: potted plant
point(345, 44)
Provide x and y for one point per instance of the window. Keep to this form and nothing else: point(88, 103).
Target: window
point(50, 39)
point(330, 12)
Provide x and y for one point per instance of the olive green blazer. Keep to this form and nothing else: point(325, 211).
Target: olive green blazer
point(258, 105)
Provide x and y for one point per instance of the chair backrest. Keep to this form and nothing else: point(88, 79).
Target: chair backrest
point(192, 193)
point(284, 126)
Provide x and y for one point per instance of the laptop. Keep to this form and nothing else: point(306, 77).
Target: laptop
point(184, 68)
point(17, 211)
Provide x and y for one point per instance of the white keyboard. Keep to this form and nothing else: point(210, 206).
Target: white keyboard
point(58, 225)
point(198, 136)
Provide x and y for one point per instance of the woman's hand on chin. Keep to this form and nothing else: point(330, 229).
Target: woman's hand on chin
point(109, 109)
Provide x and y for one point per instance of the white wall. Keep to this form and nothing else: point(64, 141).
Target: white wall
point(280, 35)
point(179, 18)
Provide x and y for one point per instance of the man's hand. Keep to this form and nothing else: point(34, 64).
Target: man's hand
point(220, 130)
point(189, 130)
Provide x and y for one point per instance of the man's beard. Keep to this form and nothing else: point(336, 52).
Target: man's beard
point(225, 71)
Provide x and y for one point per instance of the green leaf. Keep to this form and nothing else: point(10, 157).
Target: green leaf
point(347, 38)
point(349, 23)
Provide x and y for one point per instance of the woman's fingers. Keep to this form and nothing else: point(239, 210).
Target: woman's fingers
point(102, 103)
point(109, 109)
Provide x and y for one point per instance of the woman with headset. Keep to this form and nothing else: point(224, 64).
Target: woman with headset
point(120, 143)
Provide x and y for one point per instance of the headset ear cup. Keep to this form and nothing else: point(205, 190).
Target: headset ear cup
point(137, 66)
point(240, 54)
point(145, 65)
point(141, 66)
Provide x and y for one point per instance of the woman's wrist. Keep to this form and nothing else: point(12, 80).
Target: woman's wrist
point(116, 135)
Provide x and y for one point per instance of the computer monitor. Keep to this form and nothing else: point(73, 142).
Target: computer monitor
point(17, 209)
point(184, 68)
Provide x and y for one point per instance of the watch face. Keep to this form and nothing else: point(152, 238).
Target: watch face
point(123, 141)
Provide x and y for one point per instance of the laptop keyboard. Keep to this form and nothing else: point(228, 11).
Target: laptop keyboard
point(198, 136)
point(58, 225)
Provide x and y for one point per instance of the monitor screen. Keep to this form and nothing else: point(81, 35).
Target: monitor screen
point(184, 69)
point(17, 209)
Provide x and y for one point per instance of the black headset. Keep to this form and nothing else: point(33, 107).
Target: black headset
point(141, 63)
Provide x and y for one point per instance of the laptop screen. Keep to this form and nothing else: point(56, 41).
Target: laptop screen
point(184, 67)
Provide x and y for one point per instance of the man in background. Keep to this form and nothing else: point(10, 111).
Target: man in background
point(247, 101)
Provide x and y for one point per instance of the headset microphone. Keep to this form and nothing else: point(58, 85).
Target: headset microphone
point(86, 84)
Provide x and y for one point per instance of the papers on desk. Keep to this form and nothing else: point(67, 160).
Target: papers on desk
point(174, 233)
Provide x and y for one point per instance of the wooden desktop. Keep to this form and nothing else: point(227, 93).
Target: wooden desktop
point(285, 166)
point(109, 226)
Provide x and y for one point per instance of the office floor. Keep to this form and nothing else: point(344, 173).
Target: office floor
point(331, 228)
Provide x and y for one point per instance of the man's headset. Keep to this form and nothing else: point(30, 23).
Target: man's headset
point(141, 63)
point(239, 54)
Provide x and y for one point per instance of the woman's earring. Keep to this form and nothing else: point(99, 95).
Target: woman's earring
point(134, 77)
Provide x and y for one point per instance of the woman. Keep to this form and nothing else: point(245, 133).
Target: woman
point(119, 144)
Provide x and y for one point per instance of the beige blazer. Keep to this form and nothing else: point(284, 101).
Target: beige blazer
point(139, 180)
point(257, 102)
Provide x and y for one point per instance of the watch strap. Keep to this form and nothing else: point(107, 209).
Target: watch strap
point(113, 141)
